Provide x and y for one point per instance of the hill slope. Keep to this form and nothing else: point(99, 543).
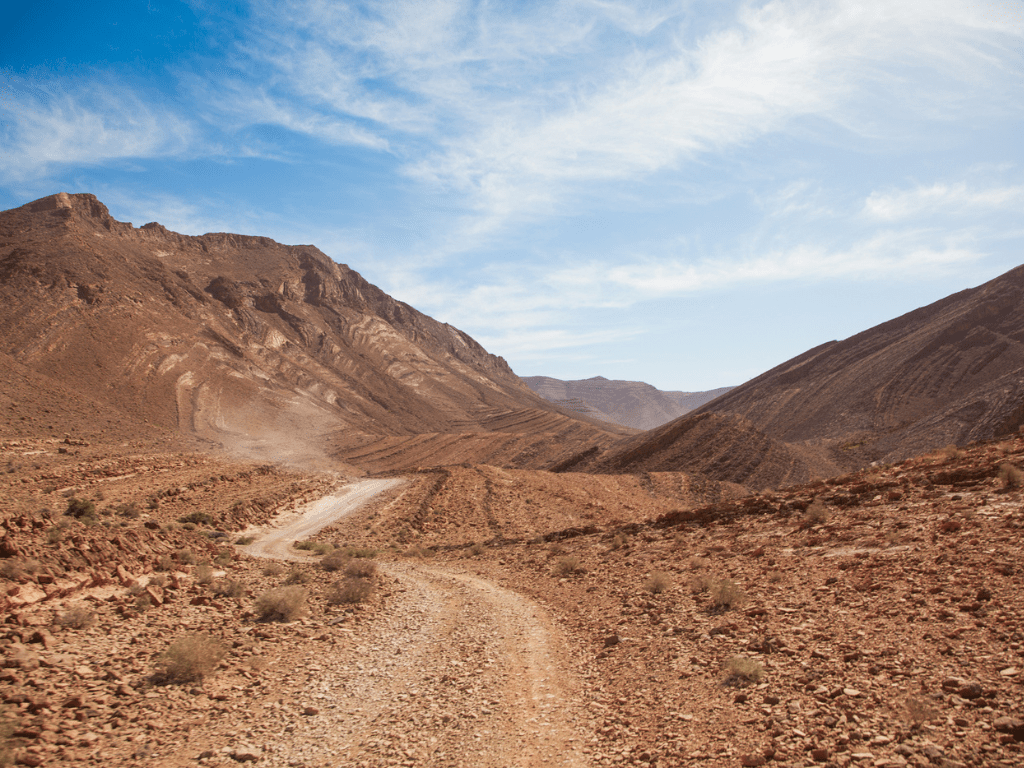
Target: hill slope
point(236, 339)
point(630, 403)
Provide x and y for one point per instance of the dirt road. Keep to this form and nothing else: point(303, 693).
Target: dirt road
point(275, 542)
point(454, 671)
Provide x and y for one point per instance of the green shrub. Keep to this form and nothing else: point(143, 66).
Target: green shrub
point(189, 659)
point(282, 604)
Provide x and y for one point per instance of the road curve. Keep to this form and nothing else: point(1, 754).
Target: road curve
point(275, 542)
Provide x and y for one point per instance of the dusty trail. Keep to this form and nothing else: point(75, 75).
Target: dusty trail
point(454, 671)
point(275, 543)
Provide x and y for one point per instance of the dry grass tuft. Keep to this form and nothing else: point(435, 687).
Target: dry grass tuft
point(361, 569)
point(744, 670)
point(567, 565)
point(334, 561)
point(727, 595)
point(658, 582)
point(189, 659)
point(282, 604)
point(77, 618)
point(273, 569)
point(349, 591)
point(227, 588)
point(1011, 476)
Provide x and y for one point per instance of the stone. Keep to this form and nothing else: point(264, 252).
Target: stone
point(820, 755)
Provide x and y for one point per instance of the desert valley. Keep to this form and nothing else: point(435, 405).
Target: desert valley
point(255, 510)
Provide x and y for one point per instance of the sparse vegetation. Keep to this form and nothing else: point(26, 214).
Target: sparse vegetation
point(361, 569)
point(815, 514)
point(567, 565)
point(189, 659)
point(318, 547)
point(244, 541)
point(77, 618)
point(334, 561)
point(727, 595)
point(81, 509)
point(204, 574)
point(273, 569)
point(224, 558)
point(18, 568)
point(227, 588)
point(744, 670)
point(197, 518)
point(282, 604)
point(350, 590)
point(618, 541)
point(298, 576)
point(186, 557)
point(1010, 475)
point(477, 549)
point(165, 563)
point(158, 579)
point(418, 552)
point(658, 582)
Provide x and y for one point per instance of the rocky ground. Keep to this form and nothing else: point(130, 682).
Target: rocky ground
point(515, 618)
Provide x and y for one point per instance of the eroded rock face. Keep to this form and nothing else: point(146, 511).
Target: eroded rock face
point(227, 336)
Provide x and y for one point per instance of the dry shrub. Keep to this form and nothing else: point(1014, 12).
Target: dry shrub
point(19, 568)
point(298, 576)
point(421, 553)
point(701, 582)
point(815, 514)
point(158, 579)
point(568, 565)
point(658, 582)
point(77, 618)
point(726, 594)
point(477, 549)
point(227, 588)
point(350, 590)
point(361, 569)
point(335, 561)
point(744, 670)
point(244, 541)
point(165, 563)
point(1011, 476)
point(186, 557)
point(204, 574)
point(273, 569)
point(618, 541)
point(282, 604)
point(319, 547)
point(189, 659)
point(951, 452)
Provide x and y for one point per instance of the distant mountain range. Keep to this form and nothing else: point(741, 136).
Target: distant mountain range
point(630, 403)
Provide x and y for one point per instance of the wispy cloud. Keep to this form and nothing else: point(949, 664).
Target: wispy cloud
point(943, 199)
point(47, 125)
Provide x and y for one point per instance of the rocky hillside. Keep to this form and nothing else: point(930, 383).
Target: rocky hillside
point(235, 339)
point(950, 372)
point(630, 403)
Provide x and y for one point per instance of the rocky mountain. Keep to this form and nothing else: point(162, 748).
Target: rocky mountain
point(948, 373)
point(630, 403)
point(235, 339)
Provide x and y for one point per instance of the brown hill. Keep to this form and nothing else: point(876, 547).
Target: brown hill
point(950, 372)
point(235, 339)
point(630, 403)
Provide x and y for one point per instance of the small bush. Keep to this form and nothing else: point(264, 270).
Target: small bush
point(334, 561)
point(726, 594)
point(350, 590)
point(477, 549)
point(658, 582)
point(298, 576)
point(420, 553)
point(79, 508)
point(158, 579)
point(282, 604)
point(189, 659)
point(742, 669)
point(165, 563)
point(224, 558)
point(197, 518)
point(142, 603)
point(244, 541)
point(204, 573)
point(273, 569)
point(186, 556)
point(1011, 476)
point(77, 618)
point(18, 568)
point(618, 541)
point(815, 514)
point(568, 565)
point(130, 510)
point(951, 452)
point(227, 588)
point(361, 569)
point(318, 547)
point(701, 583)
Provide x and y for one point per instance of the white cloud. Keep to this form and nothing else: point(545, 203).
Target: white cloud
point(47, 126)
point(942, 199)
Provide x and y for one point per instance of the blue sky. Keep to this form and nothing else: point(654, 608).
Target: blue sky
point(683, 193)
